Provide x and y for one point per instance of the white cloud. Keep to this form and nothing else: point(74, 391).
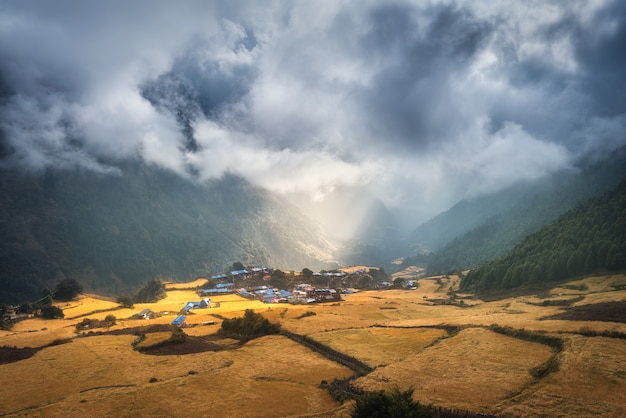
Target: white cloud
point(421, 103)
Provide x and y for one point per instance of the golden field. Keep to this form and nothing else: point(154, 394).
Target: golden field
point(446, 352)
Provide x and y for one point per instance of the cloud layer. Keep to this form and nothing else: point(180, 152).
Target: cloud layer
point(421, 103)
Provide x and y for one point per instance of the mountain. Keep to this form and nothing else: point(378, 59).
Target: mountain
point(589, 238)
point(113, 232)
point(481, 229)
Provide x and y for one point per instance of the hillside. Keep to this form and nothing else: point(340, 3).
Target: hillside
point(482, 229)
point(114, 232)
point(515, 357)
point(591, 237)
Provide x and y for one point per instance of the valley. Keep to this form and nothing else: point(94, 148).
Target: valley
point(313, 209)
point(507, 357)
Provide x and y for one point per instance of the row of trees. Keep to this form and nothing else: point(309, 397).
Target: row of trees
point(589, 238)
point(65, 290)
point(496, 223)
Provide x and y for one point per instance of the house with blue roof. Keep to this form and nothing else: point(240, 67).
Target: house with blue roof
point(224, 285)
point(179, 321)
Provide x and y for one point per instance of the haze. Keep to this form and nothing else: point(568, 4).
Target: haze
point(413, 104)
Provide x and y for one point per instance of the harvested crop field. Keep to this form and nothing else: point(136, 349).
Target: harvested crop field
point(448, 352)
point(380, 346)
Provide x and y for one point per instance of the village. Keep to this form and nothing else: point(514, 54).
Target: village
point(302, 293)
point(264, 284)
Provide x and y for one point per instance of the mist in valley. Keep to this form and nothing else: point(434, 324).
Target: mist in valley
point(457, 167)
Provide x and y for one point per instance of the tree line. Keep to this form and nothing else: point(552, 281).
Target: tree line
point(589, 238)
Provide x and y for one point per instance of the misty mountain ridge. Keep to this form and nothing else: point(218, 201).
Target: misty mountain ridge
point(114, 232)
point(481, 229)
point(589, 238)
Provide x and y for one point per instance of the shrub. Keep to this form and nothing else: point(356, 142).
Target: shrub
point(125, 301)
point(52, 312)
point(251, 325)
point(550, 366)
point(394, 404)
point(533, 336)
point(305, 314)
point(111, 319)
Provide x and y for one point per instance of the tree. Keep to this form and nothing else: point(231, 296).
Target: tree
point(278, 279)
point(48, 296)
point(365, 281)
point(52, 312)
point(152, 291)
point(399, 282)
point(251, 325)
point(306, 273)
point(111, 319)
point(125, 301)
point(237, 266)
point(394, 404)
point(67, 289)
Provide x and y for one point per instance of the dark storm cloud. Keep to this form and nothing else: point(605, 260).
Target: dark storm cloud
point(410, 102)
point(600, 49)
point(419, 103)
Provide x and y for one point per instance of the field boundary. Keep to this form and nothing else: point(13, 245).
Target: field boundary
point(357, 366)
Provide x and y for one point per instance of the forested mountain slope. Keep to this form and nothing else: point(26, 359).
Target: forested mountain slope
point(531, 206)
point(591, 237)
point(114, 232)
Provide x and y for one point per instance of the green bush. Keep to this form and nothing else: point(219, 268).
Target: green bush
point(52, 312)
point(125, 301)
point(394, 404)
point(251, 325)
point(305, 314)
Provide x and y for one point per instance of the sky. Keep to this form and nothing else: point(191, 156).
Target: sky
point(414, 104)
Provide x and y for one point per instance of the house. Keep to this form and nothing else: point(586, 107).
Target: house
point(179, 321)
point(215, 291)
point(205, 303)
point(191, 305)
point(145, 314)
point(10, 314)
point(224, 285)
point(323, 295)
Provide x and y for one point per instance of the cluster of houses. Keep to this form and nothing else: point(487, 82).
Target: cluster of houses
point(303, 293)
point(10, 313)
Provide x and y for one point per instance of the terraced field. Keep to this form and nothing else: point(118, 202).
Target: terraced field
point(558, 352)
